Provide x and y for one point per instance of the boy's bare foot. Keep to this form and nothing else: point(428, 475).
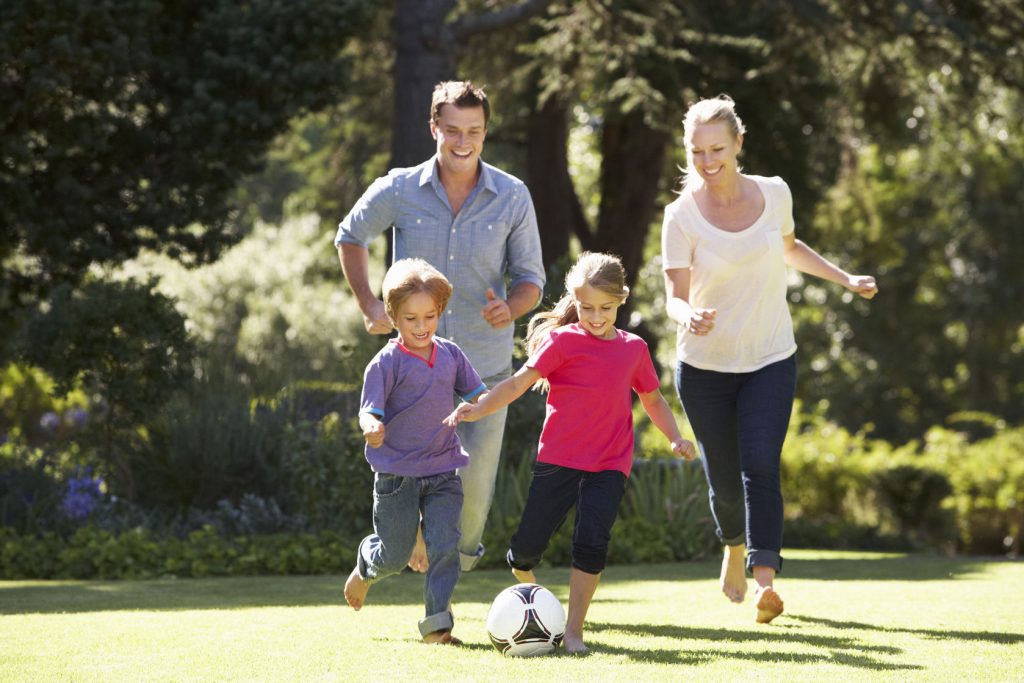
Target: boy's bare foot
point(441, 638)
point(769, 604)
point(524, 575)
point(573, 644)
point(418, 560)
point(734, 573)
point(356, 588)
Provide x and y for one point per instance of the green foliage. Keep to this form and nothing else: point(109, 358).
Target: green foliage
point(939, 224)
point(143, 554)
point(124, 124)
point(272, 311)
point(125, 345)
point(328, 480)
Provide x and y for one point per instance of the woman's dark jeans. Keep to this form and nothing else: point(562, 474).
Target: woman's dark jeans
point(740, 421)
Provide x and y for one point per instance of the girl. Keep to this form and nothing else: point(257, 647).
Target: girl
point(586, 445)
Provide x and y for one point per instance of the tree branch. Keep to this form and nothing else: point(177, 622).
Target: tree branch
point(470, 25)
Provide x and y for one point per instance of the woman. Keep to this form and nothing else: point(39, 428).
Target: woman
point(726, 242)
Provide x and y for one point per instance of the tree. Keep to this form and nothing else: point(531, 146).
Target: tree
point(128, 125)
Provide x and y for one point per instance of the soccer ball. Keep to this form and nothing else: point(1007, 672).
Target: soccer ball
point(526, 620)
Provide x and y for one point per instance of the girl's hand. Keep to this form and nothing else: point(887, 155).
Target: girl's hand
point(465, 412)
point(863, 285)
point(374, 433)
point(685, 449)
point(702, 321)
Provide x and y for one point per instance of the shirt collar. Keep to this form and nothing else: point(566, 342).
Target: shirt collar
point(429, 175)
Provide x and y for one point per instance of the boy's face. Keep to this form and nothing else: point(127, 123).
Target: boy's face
point(416, 322)
point(596, 311)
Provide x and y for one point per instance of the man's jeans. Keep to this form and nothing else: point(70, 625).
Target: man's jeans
point(482, 441)
point(398, 503)
point(740, 420)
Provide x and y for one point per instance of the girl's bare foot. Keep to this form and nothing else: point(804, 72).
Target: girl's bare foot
point(769, 604)
point(356, 588)
point(418, 560)
point(734, 573)
point(573, 644)
point(524, 575)
point(441, 638)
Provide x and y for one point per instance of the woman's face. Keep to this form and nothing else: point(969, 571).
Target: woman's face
point(712, 151)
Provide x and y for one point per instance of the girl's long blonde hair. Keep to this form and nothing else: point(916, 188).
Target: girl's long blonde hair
point(603, 272)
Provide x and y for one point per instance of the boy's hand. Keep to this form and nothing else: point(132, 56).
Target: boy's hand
point(685, 449)
point(373, 432)
point(463, 413)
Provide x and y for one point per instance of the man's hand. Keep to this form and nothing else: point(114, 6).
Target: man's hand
point(376, 319)
point(496, 311)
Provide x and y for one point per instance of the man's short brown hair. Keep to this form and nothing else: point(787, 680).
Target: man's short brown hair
point(460, 94)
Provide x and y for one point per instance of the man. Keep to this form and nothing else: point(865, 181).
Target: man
point(476, 224)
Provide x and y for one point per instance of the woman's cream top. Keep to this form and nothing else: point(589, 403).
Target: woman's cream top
point(740, 274)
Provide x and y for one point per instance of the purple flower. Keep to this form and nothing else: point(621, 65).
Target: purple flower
point(49, 421)
point(76, 417)
point(82, 496)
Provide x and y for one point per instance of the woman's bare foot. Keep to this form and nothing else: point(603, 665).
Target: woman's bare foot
point(769, 604)
point(418, 560)
point(734, 573)
point(524, 575)
point(573, 644)
point(441, 638)
point(356, 588)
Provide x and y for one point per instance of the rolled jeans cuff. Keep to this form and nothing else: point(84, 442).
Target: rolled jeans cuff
point(764, 558)
point(467, 562)
point(442, 621)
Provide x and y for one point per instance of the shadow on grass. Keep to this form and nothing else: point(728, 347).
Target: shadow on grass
point(945, 634)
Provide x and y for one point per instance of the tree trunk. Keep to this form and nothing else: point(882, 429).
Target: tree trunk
point(425, 54)
point(547, 175)
point(632, 162)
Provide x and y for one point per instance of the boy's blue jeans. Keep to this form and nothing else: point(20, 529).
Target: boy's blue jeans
point(397, 504)
point(740, 420)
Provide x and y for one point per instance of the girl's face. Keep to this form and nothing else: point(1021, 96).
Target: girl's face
point(417, 323)
point(596, 311)
point(712, 151)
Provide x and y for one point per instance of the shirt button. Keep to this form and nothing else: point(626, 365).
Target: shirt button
point(453, 231)
point(419, 220)
point(489, 227)
point(452, 257)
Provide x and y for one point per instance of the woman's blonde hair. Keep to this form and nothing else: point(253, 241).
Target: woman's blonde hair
point(603, 272)
point(411, 275)
point(719, 109)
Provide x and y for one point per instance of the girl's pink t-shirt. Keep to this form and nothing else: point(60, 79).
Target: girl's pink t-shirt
point(588, 424)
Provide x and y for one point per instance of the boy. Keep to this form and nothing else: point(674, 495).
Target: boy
point(408, 390)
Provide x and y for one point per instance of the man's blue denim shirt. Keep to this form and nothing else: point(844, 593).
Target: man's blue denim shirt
point(493, 238)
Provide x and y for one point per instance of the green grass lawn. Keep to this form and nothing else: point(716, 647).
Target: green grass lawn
point(849, 616)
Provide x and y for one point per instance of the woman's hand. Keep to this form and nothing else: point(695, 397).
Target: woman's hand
point(701, 321)
point(863, 285)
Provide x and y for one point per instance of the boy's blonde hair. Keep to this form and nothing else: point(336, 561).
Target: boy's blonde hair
point(411, 275)
point(719, 109)
point(603, 272)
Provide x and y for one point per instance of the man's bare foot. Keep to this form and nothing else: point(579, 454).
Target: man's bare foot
point(356, 588)
point(769, 604)
point(524, 575)
point(734, 573)
point(573, 644)
point(441, 638)
point(418, 560)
